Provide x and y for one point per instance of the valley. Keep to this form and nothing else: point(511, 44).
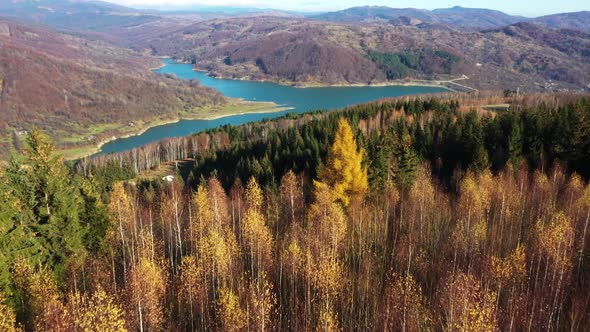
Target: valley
point(182, 166)
point(83, 93)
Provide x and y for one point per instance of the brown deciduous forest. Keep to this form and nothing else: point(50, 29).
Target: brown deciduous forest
point(379, 226)
point(299, 51)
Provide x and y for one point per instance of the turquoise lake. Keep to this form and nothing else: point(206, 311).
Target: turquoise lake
point(299, 99)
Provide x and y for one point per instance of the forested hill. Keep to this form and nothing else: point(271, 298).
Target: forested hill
point(80, 91)
point(415, 213)
point(307, 52)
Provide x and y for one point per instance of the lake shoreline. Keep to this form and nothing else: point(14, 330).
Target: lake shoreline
point(92, 149)
point(305, 85)
point(308, 85)
point(247, 106)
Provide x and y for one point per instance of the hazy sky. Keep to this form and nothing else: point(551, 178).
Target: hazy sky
point(522, 7)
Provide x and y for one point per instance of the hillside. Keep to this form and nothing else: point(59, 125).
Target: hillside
point(77, 15)
point(304, 52)
point(82, 91)
point(467, 19)
point(574, 21)
point(110, 22)
point(459, 17)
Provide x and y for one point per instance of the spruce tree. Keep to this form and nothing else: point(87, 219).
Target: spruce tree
point(57, 202)
point(407, 160)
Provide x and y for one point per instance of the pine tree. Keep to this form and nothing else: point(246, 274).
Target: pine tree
point(515, 140)
point(94, 215)
point(17, 223)
point(407, 161)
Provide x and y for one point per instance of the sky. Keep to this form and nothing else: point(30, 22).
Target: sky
point(522, 7)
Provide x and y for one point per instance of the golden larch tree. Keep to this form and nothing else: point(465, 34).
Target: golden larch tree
point(344, 171)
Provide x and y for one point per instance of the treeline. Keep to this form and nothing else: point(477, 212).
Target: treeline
point(398, 134)
point(453, 134)
point(397, 65)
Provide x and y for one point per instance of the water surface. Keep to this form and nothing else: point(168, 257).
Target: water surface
point(300, 100)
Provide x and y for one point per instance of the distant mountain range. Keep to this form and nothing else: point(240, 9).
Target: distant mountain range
point(118, 24)
point(459, 17)
point(120, 21)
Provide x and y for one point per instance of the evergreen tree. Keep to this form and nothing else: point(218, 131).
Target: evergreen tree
point(407, 161)
point(57, 202)
point(40, 209)
point(515, 141)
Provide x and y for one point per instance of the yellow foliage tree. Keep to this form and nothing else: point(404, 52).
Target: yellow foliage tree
point(254, 195)
point(98, 312)
point(7, 317)
point(261, 304)
point(121, 211)
point(328, 321)
point(422, 196)
point(192, 290)
point(216, 254)
point(230, 312)
point(510, 270)
point(256, 235)
point(203, 217)
point(40, 296)
point(326, 222)
point(218, 202)
point(344, 171)
point(405, 307)
point(258, 240)
point(466, 306)
point(328, 277)
point(147, 288)
point(556, 240)
point(291, 196)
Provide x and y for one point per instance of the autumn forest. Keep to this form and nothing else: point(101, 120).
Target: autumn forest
point(413, 214)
